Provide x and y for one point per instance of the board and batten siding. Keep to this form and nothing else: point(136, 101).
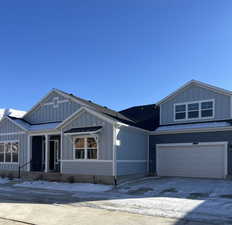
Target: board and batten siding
point(6, 127)
point(105, 147)
point(48, 113)
point(196, 93)
point(131, 151)
point(219, 136)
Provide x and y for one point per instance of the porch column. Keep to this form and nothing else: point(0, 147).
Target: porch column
point(46, 153)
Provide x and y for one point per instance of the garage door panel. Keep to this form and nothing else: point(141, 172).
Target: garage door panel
point(191, 161)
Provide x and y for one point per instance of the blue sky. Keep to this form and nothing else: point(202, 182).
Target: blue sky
point(117, 53)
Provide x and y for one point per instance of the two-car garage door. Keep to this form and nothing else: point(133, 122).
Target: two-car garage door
point(192, 160)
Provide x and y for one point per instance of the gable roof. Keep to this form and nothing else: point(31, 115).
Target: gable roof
point(198, 83)
point(88, 104)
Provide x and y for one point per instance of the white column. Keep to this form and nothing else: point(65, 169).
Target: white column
point(46, 153)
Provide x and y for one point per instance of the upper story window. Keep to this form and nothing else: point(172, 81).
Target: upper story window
point(85, 147)
point(194, 110)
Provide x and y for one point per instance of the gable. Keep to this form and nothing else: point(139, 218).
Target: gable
point(193, 93)
point(53, 108)
point(7, 126)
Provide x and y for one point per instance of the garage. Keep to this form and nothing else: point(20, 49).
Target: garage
point(206, 160)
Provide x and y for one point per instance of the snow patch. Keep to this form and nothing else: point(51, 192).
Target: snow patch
point(75, 187)
point(4, 180)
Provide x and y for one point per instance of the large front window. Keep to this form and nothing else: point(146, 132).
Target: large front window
point(194, 110)
point(9, 152)
point(85, 147)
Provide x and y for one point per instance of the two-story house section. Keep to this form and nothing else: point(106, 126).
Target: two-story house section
point(64, 136)
point(194, 138)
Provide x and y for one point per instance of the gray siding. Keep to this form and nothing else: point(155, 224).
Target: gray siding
point(105, 143)
point(87, 168)
point(47, 113)
point(196, 93)
point(125, 168)
point(7, 126)
point(133, 146)
point(105, 138)
point(189, 138)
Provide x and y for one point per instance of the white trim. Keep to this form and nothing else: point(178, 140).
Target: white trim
point(199, 83)
point(132, 127)
point(85, 160)
point(12, 133)
point(18, 125)
point(46, 154)
point(44, 133)
point(199, 110)
point(9, 141)
point(85, 137)
point(160, 115)
point(11, 163)
point(61, 151)
point(4, 146)
point(193, 130)
point(131, 161)
point(223, 143)
point(114, 149)
point(82, 133)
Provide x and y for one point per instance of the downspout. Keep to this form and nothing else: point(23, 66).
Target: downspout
point(114, 154)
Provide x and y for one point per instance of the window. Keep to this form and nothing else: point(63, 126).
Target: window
point(207, 109)
point(194, 110)
point(9, 152)
point(85, 148)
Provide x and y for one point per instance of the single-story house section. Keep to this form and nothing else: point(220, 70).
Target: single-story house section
point(64, 137)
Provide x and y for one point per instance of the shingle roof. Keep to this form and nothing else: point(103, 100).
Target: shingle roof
point(83, 129)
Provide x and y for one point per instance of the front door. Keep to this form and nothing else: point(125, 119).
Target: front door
point(54, 159)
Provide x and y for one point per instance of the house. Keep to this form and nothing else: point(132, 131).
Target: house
point(65, 137)
point(194, 137)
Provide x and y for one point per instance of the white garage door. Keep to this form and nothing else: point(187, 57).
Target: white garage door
point(192, 160)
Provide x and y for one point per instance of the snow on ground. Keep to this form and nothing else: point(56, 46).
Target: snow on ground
point(72, 187)
point(185, 198)
point(4, 180)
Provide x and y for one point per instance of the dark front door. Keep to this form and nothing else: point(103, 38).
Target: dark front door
point(38, 153)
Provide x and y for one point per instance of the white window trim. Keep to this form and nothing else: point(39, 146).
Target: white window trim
point(85, 147)
point(6, 142)
point(186, 112)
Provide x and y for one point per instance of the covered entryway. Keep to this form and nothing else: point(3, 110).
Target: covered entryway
point(208, 160)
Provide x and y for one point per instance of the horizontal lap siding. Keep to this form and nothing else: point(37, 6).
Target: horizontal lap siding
point(87, 168)
point(133, 145)
point(8, 127)
point(195, 93)
point(219, 136)
point(127, 168)
point(47, 113)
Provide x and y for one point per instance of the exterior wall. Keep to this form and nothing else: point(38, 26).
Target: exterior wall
point(132, 151)
point(7, 126)
point(47, 113)
point(105, 148)
point(87, 168)
point(189, 138)
point(196, 93)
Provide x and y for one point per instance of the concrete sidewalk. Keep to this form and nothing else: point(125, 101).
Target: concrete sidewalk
point(43, 214)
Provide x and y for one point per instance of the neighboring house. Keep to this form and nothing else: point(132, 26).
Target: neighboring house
point(11, 112)
point(65, 137)
point(194, 138)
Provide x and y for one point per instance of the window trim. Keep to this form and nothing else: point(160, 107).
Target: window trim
point(85, 147)
point(6, 142)
point(186, 112)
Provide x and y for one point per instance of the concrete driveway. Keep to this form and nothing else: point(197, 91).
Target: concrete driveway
point(169, 201)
